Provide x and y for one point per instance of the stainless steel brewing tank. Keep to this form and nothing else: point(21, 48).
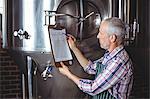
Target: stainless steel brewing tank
point(79, 27)
point(28, 15)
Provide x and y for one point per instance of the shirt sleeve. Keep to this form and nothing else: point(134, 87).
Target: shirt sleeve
point(91, 67)
point(105, 80)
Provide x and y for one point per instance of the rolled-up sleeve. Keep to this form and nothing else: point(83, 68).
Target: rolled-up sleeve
point(90, 68)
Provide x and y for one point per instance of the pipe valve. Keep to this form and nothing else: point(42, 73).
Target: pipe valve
point(47, 72)
point(22, 34)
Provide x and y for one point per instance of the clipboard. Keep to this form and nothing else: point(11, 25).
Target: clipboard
point(59, 45)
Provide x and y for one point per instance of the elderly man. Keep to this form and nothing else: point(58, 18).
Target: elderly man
point(113, 72)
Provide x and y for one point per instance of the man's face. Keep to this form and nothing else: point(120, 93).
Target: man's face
point(103, 37)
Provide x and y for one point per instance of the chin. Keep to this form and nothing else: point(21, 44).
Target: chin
point(104, 47)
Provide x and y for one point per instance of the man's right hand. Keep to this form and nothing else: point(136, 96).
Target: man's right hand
point(80, 57)
point(71, 42)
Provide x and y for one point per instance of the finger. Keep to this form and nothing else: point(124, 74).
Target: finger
point(71, 37)
point(62, 64)
point(67, 37)
point(60, 69)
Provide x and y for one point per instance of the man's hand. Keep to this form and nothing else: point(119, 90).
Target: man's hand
point(71, 41)
point(64, 69)
point(80, 57)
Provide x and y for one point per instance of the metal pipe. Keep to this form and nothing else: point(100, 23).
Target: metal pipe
point(120, 9)
point(125, 11)
point(81, 13)
point(127, 19)
point(29, 66)
point(23, 87)
point(110, 8)
point(137, 9)
point(128, 11)
point(4, 24)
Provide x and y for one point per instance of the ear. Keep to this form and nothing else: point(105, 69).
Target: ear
point(113, 38)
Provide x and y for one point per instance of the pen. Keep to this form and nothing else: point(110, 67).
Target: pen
point(65, 34)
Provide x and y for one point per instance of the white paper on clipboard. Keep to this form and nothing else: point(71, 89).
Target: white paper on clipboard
point(59, 45)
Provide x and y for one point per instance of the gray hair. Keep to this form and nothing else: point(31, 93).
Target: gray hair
point(118, 27)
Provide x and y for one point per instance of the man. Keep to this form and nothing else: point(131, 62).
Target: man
point(113, 72)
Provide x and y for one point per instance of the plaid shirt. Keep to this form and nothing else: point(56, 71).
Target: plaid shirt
point(116, 77)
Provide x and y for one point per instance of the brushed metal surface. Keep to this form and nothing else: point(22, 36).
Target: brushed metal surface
point(29, 16)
